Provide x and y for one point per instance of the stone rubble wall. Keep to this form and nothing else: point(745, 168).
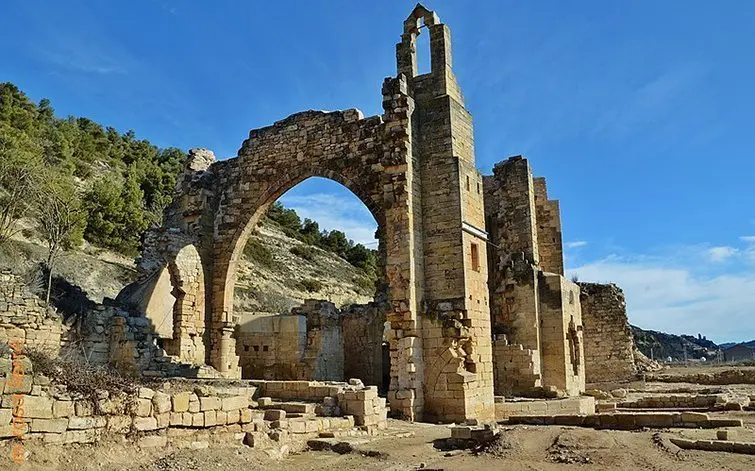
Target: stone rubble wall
point(175, 411)
point(517, 369)
point(695, 401)
point(727, 376)
point(24, 318)
point(608, 339)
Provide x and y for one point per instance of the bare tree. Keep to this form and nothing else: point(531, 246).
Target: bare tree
point(18, 183)
point(59, 218)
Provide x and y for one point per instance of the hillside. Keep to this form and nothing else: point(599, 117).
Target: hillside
point(274, 286)
point(660, 345)
point(100, 189)
point(726, 345)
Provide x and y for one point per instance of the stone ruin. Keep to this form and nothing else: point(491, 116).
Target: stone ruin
point(472, 302)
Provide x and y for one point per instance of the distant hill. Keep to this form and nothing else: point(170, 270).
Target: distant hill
point(726, 345)
point(660, 345)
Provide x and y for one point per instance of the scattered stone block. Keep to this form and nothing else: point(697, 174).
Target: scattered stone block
point(153, 441)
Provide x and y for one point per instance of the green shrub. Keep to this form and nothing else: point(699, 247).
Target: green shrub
point(304, 251)
point(310, 285)
point(256, 252)
point(366, 284)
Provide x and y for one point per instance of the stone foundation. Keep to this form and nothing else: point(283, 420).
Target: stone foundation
point(551, 407)
point(630, 420)
point(178, 410)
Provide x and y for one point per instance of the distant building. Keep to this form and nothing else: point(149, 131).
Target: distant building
point(739, 352)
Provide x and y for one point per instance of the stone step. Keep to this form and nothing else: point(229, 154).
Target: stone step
point(290, 407)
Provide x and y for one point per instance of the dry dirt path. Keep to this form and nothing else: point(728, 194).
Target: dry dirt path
point(521, 448)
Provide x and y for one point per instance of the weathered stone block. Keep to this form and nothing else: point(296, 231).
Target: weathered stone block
point(275, 414)
point(143, 407)
point(37, 407)
point(209, 403)
point(161, 403)
point(163, 420)
point(82, 423)
point(144, 424)
point(181, 401)
point(235, 403)
point(49, 425)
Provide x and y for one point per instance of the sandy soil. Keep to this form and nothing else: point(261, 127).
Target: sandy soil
point(411, 447)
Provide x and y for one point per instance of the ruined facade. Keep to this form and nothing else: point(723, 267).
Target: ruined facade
point(414, 168)
point(536, 315)
point(472, 300)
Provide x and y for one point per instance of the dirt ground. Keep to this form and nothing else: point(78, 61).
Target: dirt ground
point(410, 446)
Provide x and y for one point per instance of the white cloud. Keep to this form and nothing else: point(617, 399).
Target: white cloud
point(719, 254)
point(576, 244)
point(346, 214)
point(676, 295)
point(748, 239)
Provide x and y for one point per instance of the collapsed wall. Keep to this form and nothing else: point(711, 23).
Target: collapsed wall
point(608, 339)
point(182, 414)
point(24, 317)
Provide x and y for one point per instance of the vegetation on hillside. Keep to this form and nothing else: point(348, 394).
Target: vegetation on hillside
point(78, 180)
point(120, 183)
point(335, 241)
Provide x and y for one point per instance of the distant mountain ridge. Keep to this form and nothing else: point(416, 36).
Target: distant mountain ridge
point(726, 345)
point(660, 345)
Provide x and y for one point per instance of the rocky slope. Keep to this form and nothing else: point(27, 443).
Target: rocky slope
point(275, 282)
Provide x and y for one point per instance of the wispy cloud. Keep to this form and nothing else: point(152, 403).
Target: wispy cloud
point(651, 102)
point(576, 244)
point(720, 254)
point(684, 290)
point(72, 55)
point(331, 212)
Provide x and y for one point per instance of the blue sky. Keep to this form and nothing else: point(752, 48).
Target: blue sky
point(638, 113)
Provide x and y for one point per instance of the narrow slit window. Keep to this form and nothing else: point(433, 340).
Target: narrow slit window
point(467, 182)
point(475, 257)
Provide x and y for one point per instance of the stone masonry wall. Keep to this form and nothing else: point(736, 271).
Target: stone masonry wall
point(535, 312)
point(549, 238)
point(316, 341)
point(563, 359)
point(23, 317)
point(608, 338)
point(363, 329)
